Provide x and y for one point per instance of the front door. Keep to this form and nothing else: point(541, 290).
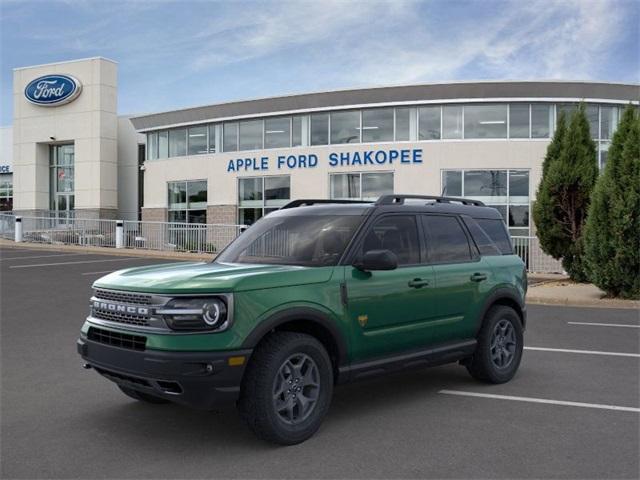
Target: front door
point(390, 311)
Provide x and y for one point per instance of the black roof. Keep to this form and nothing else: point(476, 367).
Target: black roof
point(402, 203)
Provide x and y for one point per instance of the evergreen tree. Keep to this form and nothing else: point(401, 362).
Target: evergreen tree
point(563, 197)
point(612, 233)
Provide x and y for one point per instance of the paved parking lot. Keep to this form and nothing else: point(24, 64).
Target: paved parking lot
point(572, 411)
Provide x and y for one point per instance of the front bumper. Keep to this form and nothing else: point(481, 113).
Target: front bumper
point(203, 380)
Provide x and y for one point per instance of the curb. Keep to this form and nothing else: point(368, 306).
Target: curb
point(587, 303)
point(126, 252)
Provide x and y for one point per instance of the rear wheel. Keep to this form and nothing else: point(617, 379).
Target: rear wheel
point(141, 396)
point(287, 389)
point(499, 351)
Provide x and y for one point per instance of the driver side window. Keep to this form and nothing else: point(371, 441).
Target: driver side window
point(397, 233)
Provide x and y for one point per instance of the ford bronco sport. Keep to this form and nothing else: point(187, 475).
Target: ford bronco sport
point(313, 295)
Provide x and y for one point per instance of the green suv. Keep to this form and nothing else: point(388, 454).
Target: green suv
point(315, 294)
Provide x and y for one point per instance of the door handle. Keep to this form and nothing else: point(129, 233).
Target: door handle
point(478, 277)
point(418, 283)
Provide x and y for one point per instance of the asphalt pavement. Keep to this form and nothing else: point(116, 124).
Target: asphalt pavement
point(572, 411)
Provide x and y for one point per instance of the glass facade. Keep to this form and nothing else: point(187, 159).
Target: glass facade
point(506, 190)
point(258, 196)
point(187, 201)
point(62, 179)
point(384, 124)
point(6, 192)
point(360, 186)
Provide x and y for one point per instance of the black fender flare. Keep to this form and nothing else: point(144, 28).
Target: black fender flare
point(503, 293)
point(296, 314)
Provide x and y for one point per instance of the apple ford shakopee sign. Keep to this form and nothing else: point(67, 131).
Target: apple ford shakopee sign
point(53, 90)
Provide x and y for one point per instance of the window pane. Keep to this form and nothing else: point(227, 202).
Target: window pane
point(197, 140)
point(403, 124)
point(518, 186)
point(296, 131)
point(277, 190)
point(277, 132)
point(568, 109)
point(212, 138)
point(481, 238)
point(485, 121)
point(177, 195)
point(197, 193)
point(429, 123)
point(320, 129)
point(230, 137)
point(64, 179)
point(178, 216)
point(377, 125)
point(519, 216)
point(248, 216)
point(592, 117)
point(197, 216)
point(345, 127)
point(446, 240)
point(608, 122)
point(497, 232)
point(502, 209)
point(152, 146)
point(604, 152)
point(541, 120)
point(452, 121)
point(489, 186)
point(452, 181)
point(251, 135)
point(346, 185)
point(178, 142)
point(398, 234)
point(250, 191)
point(376, 184)
point(519, 120)
point(163, 144)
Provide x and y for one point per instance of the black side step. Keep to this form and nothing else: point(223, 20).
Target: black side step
point(431, 357)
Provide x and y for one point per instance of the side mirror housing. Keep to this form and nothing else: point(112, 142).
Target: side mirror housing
point(377, 260)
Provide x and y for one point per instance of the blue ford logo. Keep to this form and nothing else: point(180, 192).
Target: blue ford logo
point(53, 90)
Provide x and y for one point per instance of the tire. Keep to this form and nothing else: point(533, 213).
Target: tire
point(141, 396)
point(285, 368)
point(499, 362)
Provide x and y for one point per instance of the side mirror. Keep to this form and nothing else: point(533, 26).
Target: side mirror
point(377, 260)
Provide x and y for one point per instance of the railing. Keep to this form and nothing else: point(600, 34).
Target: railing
point(69, 231)
point(528, 248)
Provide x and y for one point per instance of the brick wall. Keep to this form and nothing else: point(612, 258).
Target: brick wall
point(154, 214)
point(222, 214)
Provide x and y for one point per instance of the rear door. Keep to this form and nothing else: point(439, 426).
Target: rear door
point(462, 276)
point(390, 311)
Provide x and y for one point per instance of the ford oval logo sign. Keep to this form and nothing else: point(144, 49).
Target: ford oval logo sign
point(53, 90)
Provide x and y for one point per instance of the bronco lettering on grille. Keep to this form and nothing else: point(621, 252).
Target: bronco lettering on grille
point(115, 307)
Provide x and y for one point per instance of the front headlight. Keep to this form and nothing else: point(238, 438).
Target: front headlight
point(209, 313)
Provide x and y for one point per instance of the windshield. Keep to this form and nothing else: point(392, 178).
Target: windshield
point(312, 241)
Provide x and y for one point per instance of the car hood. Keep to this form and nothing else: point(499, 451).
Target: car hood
point(204, 277)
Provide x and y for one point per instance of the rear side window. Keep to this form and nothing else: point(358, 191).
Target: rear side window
point(446, 240)
point(497, 232)
point(480, 237)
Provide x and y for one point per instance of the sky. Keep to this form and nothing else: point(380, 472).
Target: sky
point(176, 54)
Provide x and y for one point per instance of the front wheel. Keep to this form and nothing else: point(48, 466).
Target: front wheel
point(499, 351)
point(287, 389)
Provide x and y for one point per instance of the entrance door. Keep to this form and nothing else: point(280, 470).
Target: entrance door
point(390, 310)
point(62, 181)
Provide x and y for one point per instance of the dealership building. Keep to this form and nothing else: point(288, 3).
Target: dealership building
point(69, 151)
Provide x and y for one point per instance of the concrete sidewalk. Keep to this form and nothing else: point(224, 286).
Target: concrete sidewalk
point(565, 292)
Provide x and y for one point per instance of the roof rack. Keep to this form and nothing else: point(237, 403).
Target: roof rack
point(399, 200)
point(305, 202)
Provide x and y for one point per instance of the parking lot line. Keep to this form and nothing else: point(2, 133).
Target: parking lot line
point(74, 263)
point(604, 324)
point(41, 256)
point(587, 352)
point(95, 273)
point(540, 400)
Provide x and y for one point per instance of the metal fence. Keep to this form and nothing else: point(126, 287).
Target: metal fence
point(528, 248)
point(69, 231)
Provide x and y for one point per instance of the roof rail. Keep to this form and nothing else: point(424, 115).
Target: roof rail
point(305, 202)
point(399, 200)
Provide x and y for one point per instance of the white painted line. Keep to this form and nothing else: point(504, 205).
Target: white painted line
point(95, 273)
point(42, 256)
point(127, 259)
point(540, 400)
point(588, 352)
point(605, 324)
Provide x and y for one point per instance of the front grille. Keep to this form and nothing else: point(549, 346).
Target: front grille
point(121, 317)
point(116, 339)
point(124, 297)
